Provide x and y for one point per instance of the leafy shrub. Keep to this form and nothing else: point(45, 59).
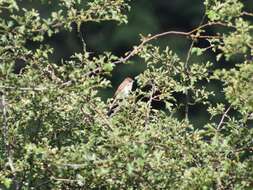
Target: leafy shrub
point(55, 130)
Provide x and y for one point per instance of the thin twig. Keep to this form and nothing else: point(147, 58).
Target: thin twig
point(247, 14)
point(13, 170)
point(23, 88)
point(72, 165)
point(3, 106)
point(6, 139)
point(186, 67)
point(136, 49)
point(93, 72)
point(5, 126)
point(66, 180)
point(149, 105)
point(101, 115)
point(42, 184)
point(82, 39)
point(223, 117)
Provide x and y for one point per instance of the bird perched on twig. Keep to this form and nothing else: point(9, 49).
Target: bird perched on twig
point(122, 92)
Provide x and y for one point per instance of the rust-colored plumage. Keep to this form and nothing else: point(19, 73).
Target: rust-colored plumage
point(124, 88)
point(122, 91)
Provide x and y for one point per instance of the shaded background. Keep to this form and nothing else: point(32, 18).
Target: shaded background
point(145, 17)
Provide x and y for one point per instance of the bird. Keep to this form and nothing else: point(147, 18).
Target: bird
point(122, 92)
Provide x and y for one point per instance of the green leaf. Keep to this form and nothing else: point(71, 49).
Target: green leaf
point(108, 67)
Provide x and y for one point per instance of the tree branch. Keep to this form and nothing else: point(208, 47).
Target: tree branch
point(190, 34)
point(5, 126)
point(223, 117)
point(186, 68)
point(137, 48)
point(149, 105)
point(247, 14)
point(23, 88)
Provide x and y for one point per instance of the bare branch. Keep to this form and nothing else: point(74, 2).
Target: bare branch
point(223, 117)
point(101, 115)
point(186, 68)
point(149, 105)
point(247, 14)
point(23, 88)
point(66, 180)
point(190, 34)
point(5, 126)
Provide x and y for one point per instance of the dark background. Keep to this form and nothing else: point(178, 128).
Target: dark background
point(145, 17)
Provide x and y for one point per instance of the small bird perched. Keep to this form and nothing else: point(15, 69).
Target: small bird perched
point(122, 92)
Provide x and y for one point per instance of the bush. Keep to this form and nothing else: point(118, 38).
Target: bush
point(56, 133)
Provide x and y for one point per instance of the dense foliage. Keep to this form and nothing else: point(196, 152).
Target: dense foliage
point(55, 130)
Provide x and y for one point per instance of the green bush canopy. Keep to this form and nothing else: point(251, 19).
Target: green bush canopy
point(55, 131)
